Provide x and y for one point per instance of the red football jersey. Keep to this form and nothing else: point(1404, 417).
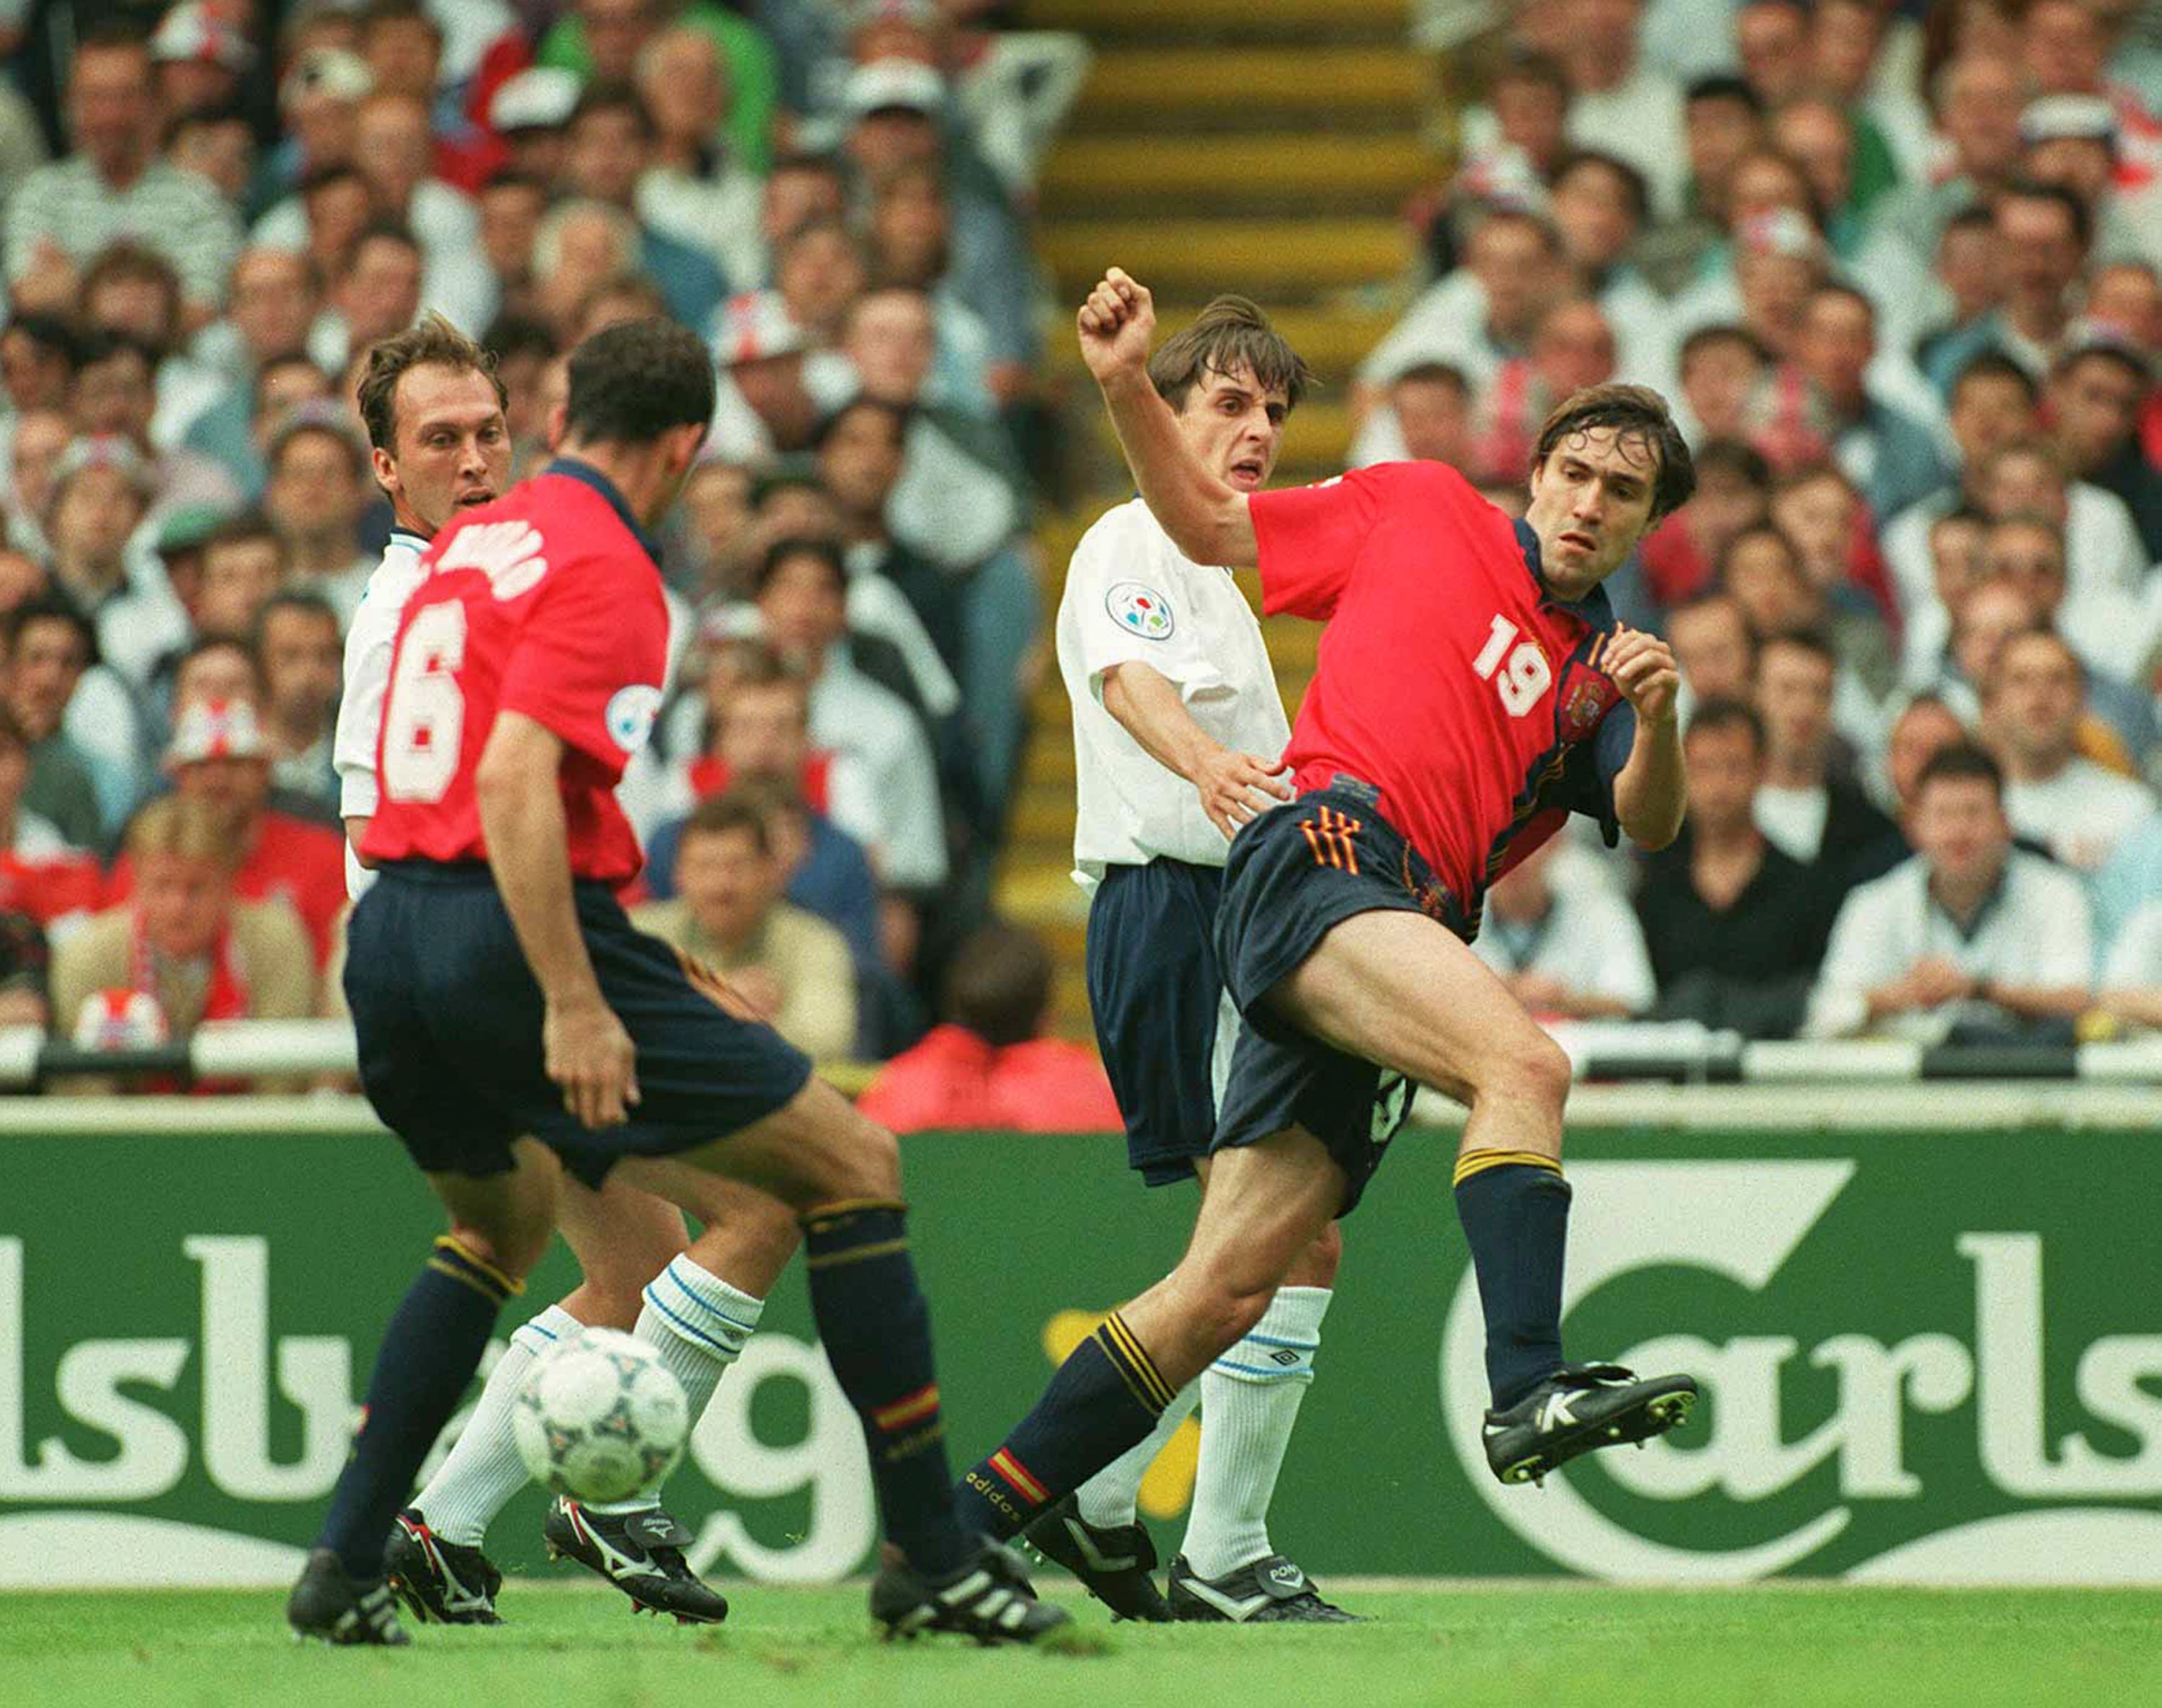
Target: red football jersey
point(546, 602)
point(1448, 677)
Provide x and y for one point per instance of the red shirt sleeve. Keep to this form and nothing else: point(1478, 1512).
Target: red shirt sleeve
point(588, 661)
point(1310, 537)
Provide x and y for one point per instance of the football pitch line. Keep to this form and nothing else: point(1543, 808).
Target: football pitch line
point(1463, 1645)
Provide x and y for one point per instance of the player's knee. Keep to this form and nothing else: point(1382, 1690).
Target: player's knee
point(1532, 1070)
point(868, 1166)
point(1318, 1263)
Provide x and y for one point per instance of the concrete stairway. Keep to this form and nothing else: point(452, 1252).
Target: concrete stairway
point(1256, 146)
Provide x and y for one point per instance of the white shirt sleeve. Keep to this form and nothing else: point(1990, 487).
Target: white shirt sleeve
point(1126, 611)
point(2065, 932)
point(368, 645)
point(2135, 959)
point(1622, 970)
point(1864, 952)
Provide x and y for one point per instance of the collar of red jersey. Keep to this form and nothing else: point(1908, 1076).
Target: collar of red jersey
point(571, 468)
point(1594, 607)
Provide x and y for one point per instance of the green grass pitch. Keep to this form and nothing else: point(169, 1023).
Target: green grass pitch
point(1519, 1644)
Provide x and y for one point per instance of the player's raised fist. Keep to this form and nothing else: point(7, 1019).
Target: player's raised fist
point(1116, 323)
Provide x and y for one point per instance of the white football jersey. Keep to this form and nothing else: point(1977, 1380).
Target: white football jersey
point(1131, 596)
point(368, 645)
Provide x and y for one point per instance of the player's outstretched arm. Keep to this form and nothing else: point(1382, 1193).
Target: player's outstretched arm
point(1649, 792)
point(1207, 518)
point(588, 1053)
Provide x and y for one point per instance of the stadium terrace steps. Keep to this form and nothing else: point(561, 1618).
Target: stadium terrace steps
point(1352, 173)
point(1256, 146)
point(1291, 20)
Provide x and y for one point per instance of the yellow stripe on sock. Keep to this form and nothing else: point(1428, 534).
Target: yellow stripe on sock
point(852, 1206)
point(476, 1282)
point(1473, 1163)
point(856, 1254)
point(450, 1242)
point(1121, 1340)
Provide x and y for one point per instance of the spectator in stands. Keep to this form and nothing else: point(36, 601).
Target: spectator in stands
point(300, 644)
point(1617, 102)
point(698, 189)
point(1733, 492)
point(1891, 456)
point(511, 206)
point(187, 947)
point(244, 563)
point(800, 189)
point(2054, 797)
point(1976, 97)
point(757, 730)
point(988, 1065)
point(910, 235)
point(1762, 571)
point(42, 879)
point(819, 271)
point(1431, 404)
point(2095, 393)
point(2044, 236)
point(1714, 648)
point(275, 295)
point(1721, 367)
point(1925, 728)
point(1566, 944)
point(1733, 926)
point(1600, 205)
point(318, 492)
point(1817, 819)
point(378, 289)
point(1970, 939)
point(218, 754)
point(528, 113)
point(793, 969)
point(1771, 39)
point(114, 186)
point(77, 717)
point(802, 596)
point(1722, 122)
point(717, 504)
point(764, 405)
point(611, 141)
point(131, 290)
point(115, 395)
point(39, 356)
point(101, 492)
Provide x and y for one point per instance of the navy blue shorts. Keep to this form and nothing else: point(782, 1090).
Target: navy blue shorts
point(1156, 991)
point(1295, 873)
point(449, 1019)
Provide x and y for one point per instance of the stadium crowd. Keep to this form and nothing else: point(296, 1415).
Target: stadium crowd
point(1897, 269)
point(211, 211)
point(1897, 272)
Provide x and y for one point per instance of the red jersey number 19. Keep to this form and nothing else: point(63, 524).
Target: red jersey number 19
point(1525, 676)
point(424, 718)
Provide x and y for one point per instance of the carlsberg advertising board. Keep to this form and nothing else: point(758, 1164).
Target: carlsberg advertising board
point(1928, 1357)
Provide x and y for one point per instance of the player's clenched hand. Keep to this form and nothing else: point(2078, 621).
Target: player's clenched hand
point(1642, 666)
point(1116, 324)
point(1236, 787)
point(590, 1056)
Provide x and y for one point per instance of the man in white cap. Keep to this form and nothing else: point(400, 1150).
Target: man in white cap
point(2074, 140)
point(201, 59)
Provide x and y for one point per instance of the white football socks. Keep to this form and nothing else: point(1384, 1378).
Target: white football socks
point(1250, 1401)
point(482, 1469)
point(1107, 1499)
point(698, 1324)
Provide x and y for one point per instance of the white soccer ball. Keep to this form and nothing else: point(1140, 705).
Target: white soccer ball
point(600, 1416)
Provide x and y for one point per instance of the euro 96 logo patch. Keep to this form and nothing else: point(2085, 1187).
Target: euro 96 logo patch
point(1140, 609)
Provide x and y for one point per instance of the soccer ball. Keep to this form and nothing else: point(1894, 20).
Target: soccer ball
point(600, 1416)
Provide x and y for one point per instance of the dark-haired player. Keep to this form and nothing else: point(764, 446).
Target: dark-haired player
point(499, 991)
point(1472, 690)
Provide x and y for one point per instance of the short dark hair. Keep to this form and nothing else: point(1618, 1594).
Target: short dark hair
point(247, 528)
point(125, 258)
point(112, 34)
point(1994, 364)
point(100, 345)
point(1736, 456)
point(1813, 641)
point(2121, 356)
point(1962, 761)
point(897, 413)
point(636, 380)
point(203, 645)
point(300, 600)
point(1724, 86)
point(2031, 190)
point(827, 552)
point(753, 663)
point(272, 364)
point(320, 178)
point(51, 333)
point(610, 96)
point(718, 815)
point(432, 342)
point(1760, 530)
point(510, 335)
point(1721, 332)
point(998, 985)
point(383, 229)
point(377, 11)
point(1840, 287)
point(510, 178)
point(53, 606)
point(1446, 374)
point(300, 425)
point(1230, 333)
point(1633, 182)
point(1625, 409)
point(1529, 65)
point(1718, 712)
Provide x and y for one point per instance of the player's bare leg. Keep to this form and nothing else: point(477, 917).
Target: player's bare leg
point(1398, 989)
point(500, 1224)
point(841, 1174)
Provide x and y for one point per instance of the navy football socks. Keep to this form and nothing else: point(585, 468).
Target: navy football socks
point(1514, 1207)
point(430, 1351)
point(876, 1327)
point(1104, 1399)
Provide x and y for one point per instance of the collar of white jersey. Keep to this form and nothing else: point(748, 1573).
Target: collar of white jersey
point(407, 538)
